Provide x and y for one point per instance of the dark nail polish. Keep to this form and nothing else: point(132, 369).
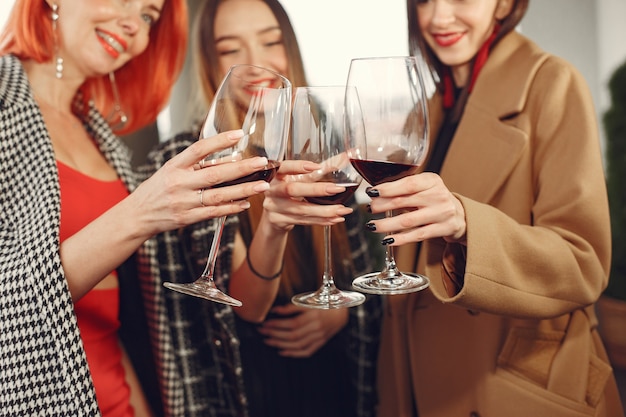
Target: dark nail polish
point(371, 226)
point(387, 241)
point(372, 192)
point(369, 208)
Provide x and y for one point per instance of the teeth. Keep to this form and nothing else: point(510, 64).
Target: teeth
point(111, 41)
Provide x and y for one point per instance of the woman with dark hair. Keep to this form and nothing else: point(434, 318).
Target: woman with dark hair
point(71, 73)
point(510, 222)
point(282, 359)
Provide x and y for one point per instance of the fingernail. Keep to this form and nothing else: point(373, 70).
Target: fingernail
point(259, 162)
point(262, 186)
point(235, 135)
point(387, 241)
point(344, 211)
point(334, 189)
point(369, 208)
point(372, 192)
point(371, 226)
point(310, 166)
point(244, 204)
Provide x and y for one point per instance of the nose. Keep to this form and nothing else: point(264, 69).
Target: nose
point(443, 13)
point(254, 56)
point(130, 16)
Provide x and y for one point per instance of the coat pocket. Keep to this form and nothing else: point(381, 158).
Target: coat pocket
point(555, 366)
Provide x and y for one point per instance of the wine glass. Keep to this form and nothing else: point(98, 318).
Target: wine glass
point(258, 101)
point(318, 136)
point(391, 94)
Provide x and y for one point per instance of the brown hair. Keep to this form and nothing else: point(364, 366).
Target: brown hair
point(303, 241)
point(28, 35)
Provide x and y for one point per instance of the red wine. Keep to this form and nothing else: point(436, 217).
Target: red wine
point(377, 172)
point(266, 174)
point(338, 198)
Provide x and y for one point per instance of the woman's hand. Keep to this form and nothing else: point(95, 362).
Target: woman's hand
point(424, 209)
point(184, 191)
point(166, 201)
point(284, 207)
point(285, 204)
point(304, 330)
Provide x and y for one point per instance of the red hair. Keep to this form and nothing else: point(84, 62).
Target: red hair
point(144, 83)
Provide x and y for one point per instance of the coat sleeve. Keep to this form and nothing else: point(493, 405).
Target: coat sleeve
point(557, 260)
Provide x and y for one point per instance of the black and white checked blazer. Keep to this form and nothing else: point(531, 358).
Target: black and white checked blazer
point(43, 369)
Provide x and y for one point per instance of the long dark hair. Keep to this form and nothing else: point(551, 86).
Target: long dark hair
point(304, 243)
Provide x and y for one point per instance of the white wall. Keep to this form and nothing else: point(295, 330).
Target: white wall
point(331, 32)
point(5, 7)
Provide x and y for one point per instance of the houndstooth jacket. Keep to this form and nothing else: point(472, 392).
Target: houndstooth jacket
point(43, 369)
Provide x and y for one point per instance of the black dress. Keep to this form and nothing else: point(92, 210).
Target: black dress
point(277, 386)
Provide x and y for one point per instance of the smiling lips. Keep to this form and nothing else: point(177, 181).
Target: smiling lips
point(447, 39)
point(113, 45)
point(256, 87)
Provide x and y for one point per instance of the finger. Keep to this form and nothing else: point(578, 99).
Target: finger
point(230, 173)
point(405, 186)
point(301, 189)
point(234, 193)
point(291, 167)
point(199, 150)
point(288, 340)
point(283, 219)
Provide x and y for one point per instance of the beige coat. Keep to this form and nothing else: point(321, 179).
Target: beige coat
point(519, 338)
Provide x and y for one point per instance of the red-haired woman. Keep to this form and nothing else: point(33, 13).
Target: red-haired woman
point(72, 72)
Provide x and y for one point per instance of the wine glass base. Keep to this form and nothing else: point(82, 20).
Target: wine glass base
point(205, 291)
point(403, 283)
point(326, 300)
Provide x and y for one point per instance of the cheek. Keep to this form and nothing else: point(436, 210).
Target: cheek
point(140, 44)
point(279, 60)
point(225, 64)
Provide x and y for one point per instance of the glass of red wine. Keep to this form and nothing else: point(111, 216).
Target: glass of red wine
point(390, 92)
point(318, 136)
point(258, 101)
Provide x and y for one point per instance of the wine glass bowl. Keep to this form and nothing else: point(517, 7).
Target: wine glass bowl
point(257, 101)
point(318, 136)
point(392, 145)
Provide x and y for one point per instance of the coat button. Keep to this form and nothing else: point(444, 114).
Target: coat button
point(474, 414)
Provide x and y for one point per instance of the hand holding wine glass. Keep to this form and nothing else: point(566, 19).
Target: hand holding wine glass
point(391, 95)
point(258, 101)
point(318, 136)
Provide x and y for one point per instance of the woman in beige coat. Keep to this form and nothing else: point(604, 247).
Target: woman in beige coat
point(514, 226)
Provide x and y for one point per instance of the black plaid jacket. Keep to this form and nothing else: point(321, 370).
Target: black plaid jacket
point(203, 334)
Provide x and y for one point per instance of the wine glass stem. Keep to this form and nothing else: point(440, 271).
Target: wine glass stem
point(210, 265)
point(327, 279)
point(390, 270)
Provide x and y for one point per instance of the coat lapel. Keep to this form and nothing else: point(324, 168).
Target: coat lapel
point(498, 148)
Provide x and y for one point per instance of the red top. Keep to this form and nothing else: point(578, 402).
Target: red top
point(83, 199)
